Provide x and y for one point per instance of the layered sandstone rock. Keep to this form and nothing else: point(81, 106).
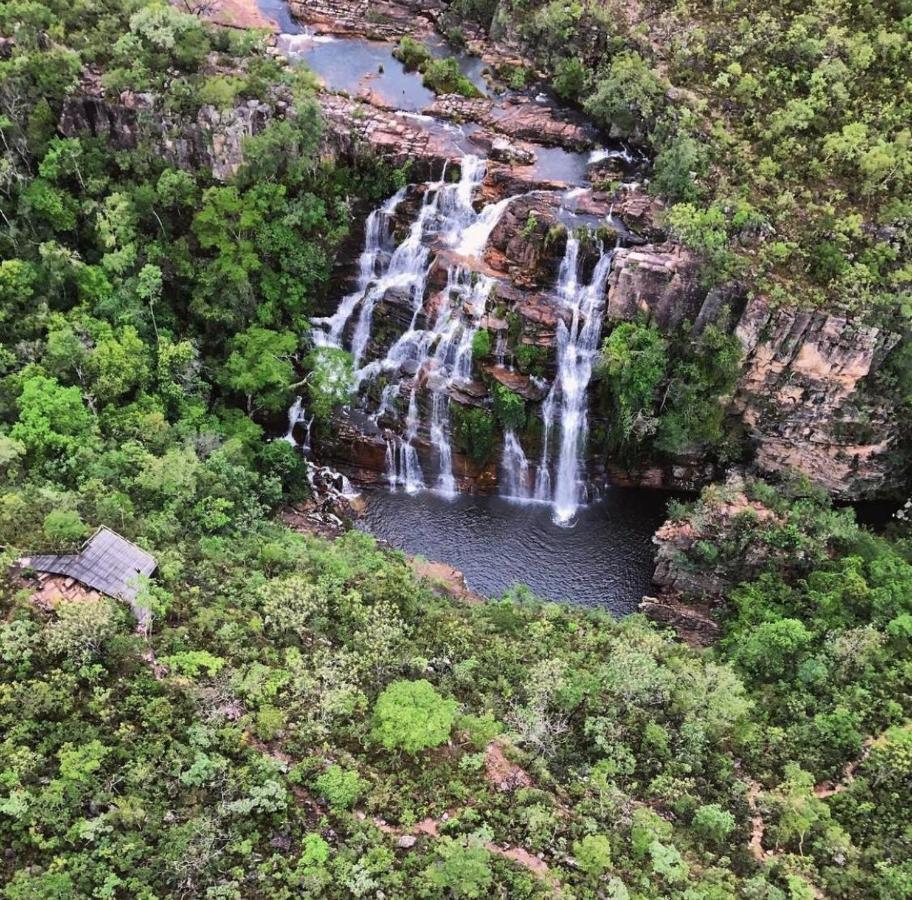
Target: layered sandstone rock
point(659, 283)
point(805, 399)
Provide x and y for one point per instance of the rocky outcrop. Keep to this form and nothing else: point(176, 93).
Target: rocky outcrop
point(805, 399)
point(692, 623)
point(659, 283)
point(527, 242)
point(211, 139)
point(688, 561)
point(519, 118)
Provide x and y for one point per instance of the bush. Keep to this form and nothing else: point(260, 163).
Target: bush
point(481, 344)
point(412, 54)
point(713, 823)
point(412, 716)
point(570, 77)
point(443, 76)
point(509, 408)
point(593, 854)
point(530, 359)
point(340, 787)
point(473, 429)
point(628, 97)
point(64, 526)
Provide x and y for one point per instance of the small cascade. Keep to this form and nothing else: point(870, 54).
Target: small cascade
point(515, 481)
point(297, 415)
point(407, 269)
point(376, 237)
point(402, 466)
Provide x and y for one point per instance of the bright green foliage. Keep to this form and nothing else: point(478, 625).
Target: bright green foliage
point(53, 422)
point(340, 787)
point(460, 871)
point(713, 823)
point(412, 716)
point(481, 344)
point(441, 75)
point(411, 53)
point(632, 366)
point(509, 408)
point(473, 429)
point(593, 854)
point(628, 96)
point(570, 78)
point(63, 526)
point(259, 367)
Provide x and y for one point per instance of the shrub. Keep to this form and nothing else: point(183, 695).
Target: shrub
point(340, 787)
point(713, 823)
point(570, 78)
point(481, 344)
point(531, 359)
point(412, 54)
point(473, 429)
point(593, 854)
point(412, 716)
point(443, 76)
point(509, 408)
point(64, 526)
point(459, 870)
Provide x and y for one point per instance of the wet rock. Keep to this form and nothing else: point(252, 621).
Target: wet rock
point(528, 242)
point(517, 382)
point(503, 151)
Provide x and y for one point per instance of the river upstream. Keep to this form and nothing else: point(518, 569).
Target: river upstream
point(426, 257)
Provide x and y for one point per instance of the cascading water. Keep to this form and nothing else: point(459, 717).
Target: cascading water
point(566, 403)
point(515, 469)
point(376, 235)
point(439, 356)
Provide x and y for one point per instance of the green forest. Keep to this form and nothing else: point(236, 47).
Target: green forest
point(303, 717)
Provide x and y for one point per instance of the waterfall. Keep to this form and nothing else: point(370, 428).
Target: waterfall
point(433, 355)
point(297, 415)
point(577, 346)
point(515, 467)
point(402, 466)
point(407, 269)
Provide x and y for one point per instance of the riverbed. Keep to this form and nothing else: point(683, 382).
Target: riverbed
point(605, 559)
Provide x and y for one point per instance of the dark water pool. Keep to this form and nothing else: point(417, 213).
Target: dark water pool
point(605, 560)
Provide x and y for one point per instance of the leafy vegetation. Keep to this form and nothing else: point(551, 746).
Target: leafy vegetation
point(667, 395)
point(305, 718)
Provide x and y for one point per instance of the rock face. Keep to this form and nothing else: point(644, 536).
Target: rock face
point(656, 282)
point(803, 396)
point(679, 565)
point(213, 139)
